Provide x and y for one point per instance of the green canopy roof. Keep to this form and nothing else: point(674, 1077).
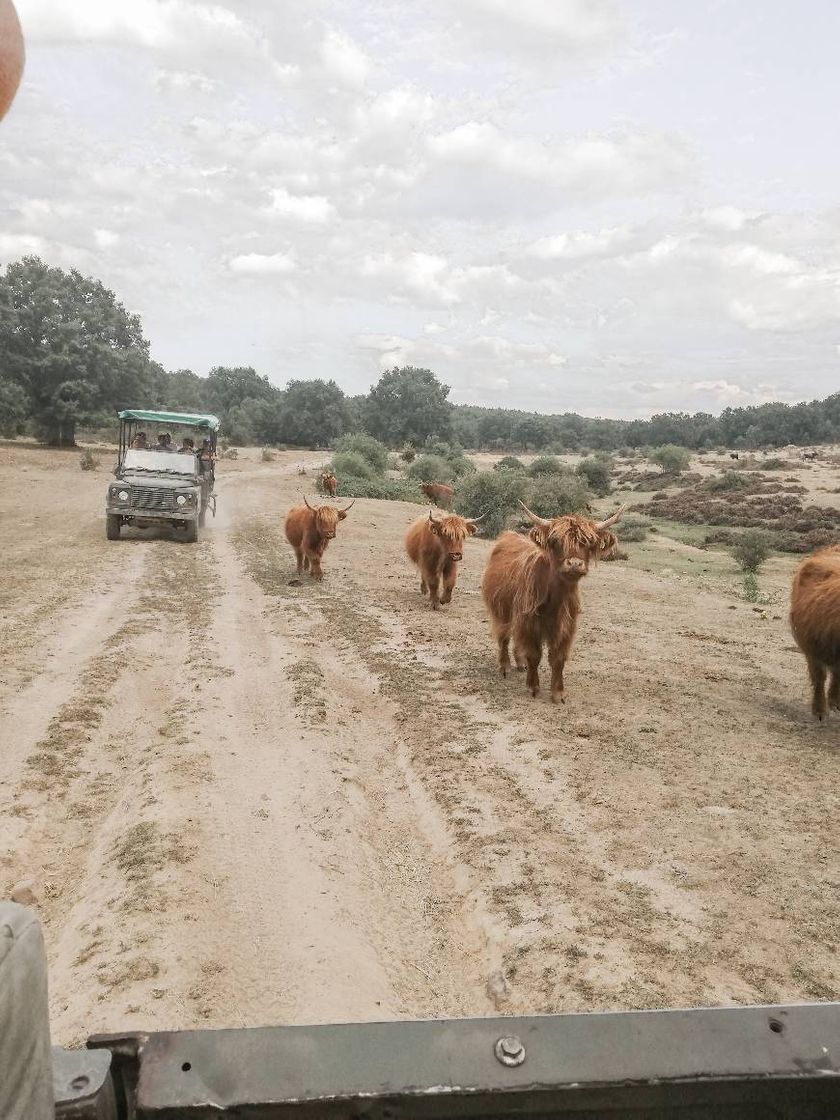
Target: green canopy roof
point(189, 419)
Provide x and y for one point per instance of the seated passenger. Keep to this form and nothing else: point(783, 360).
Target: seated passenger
point(140, 443)
point(164, 442)
point(187, 447)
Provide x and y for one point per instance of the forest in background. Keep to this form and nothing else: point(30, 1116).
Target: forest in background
point(71, 356)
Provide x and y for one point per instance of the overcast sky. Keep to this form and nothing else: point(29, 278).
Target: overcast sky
point(608, 207)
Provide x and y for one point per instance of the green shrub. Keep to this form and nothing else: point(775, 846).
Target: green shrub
point(461, 465)
point(730, 480)
point(751, 593)
point(751, 550)
point(370, 449)
point(546, 464)
point(88, 461)
point(509, 463)
point(555, 495)
point(431, 468)
point(267, 455)
point(672, 459)
point(354, 464)
point(495, 493)
point(383, 489)
point(632, 529)
point(408, 454)
point(596, 474)
point(774, 464)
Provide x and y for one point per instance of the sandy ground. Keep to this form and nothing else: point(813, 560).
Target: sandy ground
point(247, 801)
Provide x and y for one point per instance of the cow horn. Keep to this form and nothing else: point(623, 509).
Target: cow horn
point(541, 522)
point(481, 516)
point(348, 507)
point(308, 506)
point(611, 520)
point(432, 518)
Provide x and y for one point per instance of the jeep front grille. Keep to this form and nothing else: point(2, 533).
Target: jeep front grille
point(151, 497)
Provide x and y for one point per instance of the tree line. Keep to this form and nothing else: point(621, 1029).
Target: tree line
point(71, 355)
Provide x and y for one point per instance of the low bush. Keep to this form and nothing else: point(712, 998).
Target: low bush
point(671, 458)
point(431, 468)
point(496, 493)
point(596, 473)
point(509, 463)
point(267, 455)
point(88, 461)
point(383, 489)
point(556, 495)
point(546, 464)
point(370, 449)
point(730, 480)
point(751, 550)
point(353, 464)
point(408, 454)
point(632, 529)
point(751, 593)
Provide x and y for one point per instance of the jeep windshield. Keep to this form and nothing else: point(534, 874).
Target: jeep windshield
point(159, 462)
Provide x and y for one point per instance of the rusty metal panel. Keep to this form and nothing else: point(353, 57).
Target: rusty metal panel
point(738, 1062)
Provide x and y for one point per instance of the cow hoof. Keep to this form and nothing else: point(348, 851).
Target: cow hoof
point(535, 692)
point(558, 698)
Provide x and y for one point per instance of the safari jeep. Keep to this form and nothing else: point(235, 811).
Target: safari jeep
point(156, 483)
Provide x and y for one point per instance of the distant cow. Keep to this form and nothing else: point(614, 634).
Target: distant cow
point(309, 531)
point(815, 621)
point(809, 455)
point(734, 455)
point(438, 493)
point(329, 483)
point(530, 586)
point(435, 545)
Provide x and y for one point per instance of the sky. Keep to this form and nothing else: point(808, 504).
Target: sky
point(602, 206)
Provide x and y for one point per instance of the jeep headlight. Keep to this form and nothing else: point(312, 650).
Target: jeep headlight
point(182, 499)
point(123, 495)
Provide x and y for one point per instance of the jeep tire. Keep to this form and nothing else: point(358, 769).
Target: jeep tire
point(113, 524)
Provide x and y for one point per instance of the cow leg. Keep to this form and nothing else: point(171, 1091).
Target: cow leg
point(434, 595)
point(300, 561)
point(817, 672)
point(558, 653)
point(423, 588)
point(450, 574)
point(502, 635)
point(306, 563)
point(834, 688)
point(529, 646)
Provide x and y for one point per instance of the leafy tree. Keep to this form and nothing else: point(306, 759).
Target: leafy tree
point(408, 405)
point(315, 413)
point(672, 459)
point(14, 408)
point(70, 345)
point(351, 464)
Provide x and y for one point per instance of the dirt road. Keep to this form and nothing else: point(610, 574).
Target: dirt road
point(244, 800)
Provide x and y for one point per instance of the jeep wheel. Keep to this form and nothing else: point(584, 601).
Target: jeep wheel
point(113, 524)
point(191, 532)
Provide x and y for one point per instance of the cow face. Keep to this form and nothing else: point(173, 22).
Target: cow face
point(573, 541)
point(452, 531)
point(327, 519)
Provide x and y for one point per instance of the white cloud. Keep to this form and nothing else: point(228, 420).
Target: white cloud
point(262, 264)
point(547, 29)
point(343, 60)
point(305, 208)
point(106, 238)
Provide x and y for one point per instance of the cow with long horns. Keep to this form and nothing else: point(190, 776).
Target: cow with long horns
point(329, 484)
point(436, 545)
point(531, 588)
point(309, 530)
